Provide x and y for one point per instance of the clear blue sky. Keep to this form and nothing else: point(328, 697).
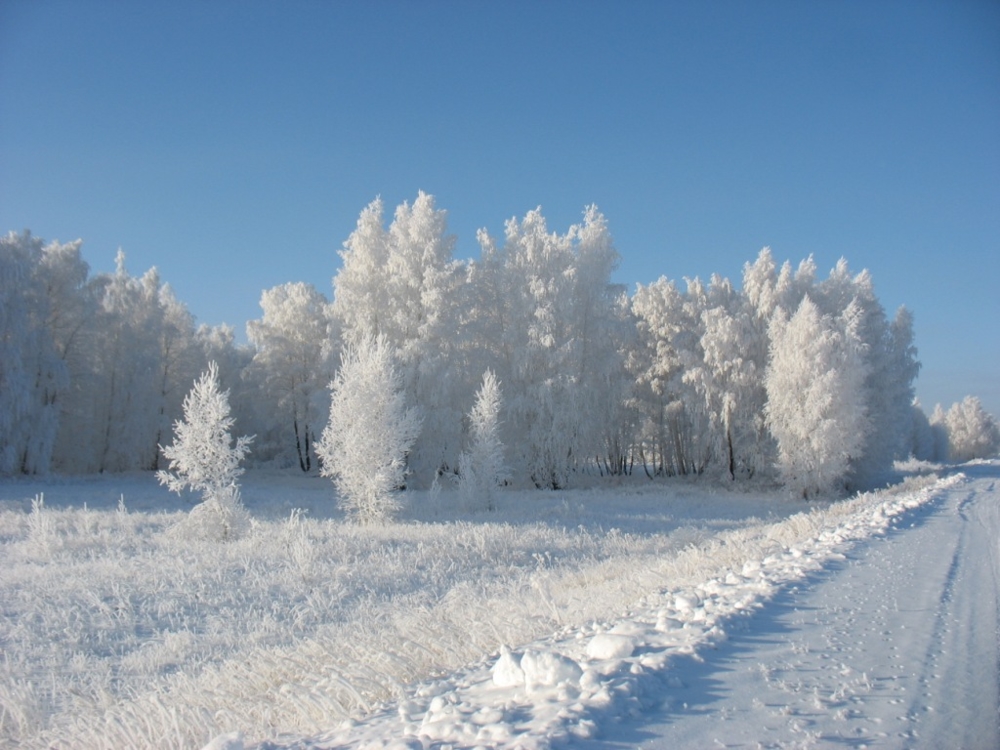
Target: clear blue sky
point(233, 144)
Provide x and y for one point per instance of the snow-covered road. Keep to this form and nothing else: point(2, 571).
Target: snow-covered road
point(898, 645)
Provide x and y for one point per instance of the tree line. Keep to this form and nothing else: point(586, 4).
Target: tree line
point(785, 376)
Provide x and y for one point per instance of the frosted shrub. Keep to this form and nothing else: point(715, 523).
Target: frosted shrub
point(204, 459)
point(220, 518)
point(370, 432)
point(481, 468)
point(40, 530)
point(972, 431)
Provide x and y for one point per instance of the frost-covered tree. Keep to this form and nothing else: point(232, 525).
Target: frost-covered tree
point(204, 458)
point(101, 358)
point(177, 364)
point(922, 440)
point(541, 389)
point(972, 431)
point(371, 429)
point(427, 287)
point(675, 436)
point(482, 467)
point(891, 364)
point(601, 331)
point(761, 287)
point(402, 283)
point(250, 413)
point(126, 401)
point(361, 297)
point(46, 316)
point(74, 326)
point(616, 415)
point(939, 433)
point(22, 339)
point(900, 368)
point(655, 366)
point(130, 350)
point(555, 326)
point(816, 405)
point(729, 376)
point(291, 361)
point(885, 347)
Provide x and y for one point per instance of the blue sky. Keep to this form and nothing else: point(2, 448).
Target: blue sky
point(233, 145)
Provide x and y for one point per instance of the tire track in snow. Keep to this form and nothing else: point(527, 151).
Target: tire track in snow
point(897, 647)
point(962, 663)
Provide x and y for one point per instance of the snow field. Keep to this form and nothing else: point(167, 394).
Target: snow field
point(120, 630)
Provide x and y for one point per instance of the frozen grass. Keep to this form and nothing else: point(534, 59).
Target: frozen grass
point(120, 630)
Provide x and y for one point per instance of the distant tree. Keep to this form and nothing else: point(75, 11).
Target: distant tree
point(482, 467)
point(203, 456)
point(542, 388)
point(125, 397)
point(816, 408)
point(91, 367)
point(601, 330)
point(939, 433)
point(730, 377)
point(22, 339)
point(291, 360)
point(972, 431)
point(921, 434)
point(177, 364)
point(761, 286)
point(364, 445)
point(46, 308)
point(675, 433)
point(250, 412)
point(900, 368)
point(555, 326)
point(76, 332)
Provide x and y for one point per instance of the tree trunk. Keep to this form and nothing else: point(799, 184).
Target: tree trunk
point(304, 462)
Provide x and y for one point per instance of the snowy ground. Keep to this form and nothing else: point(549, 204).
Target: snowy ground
point(643, 614)
point(119, 628)
point(896, 645)
point(878, 630)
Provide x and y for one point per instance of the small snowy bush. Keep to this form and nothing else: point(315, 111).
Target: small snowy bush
point(481, 468)
point(972, 431)
point(203, 458)
point(364, 445)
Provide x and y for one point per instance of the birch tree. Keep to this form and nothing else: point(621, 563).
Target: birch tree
point(401, 282)
point(291, 361)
